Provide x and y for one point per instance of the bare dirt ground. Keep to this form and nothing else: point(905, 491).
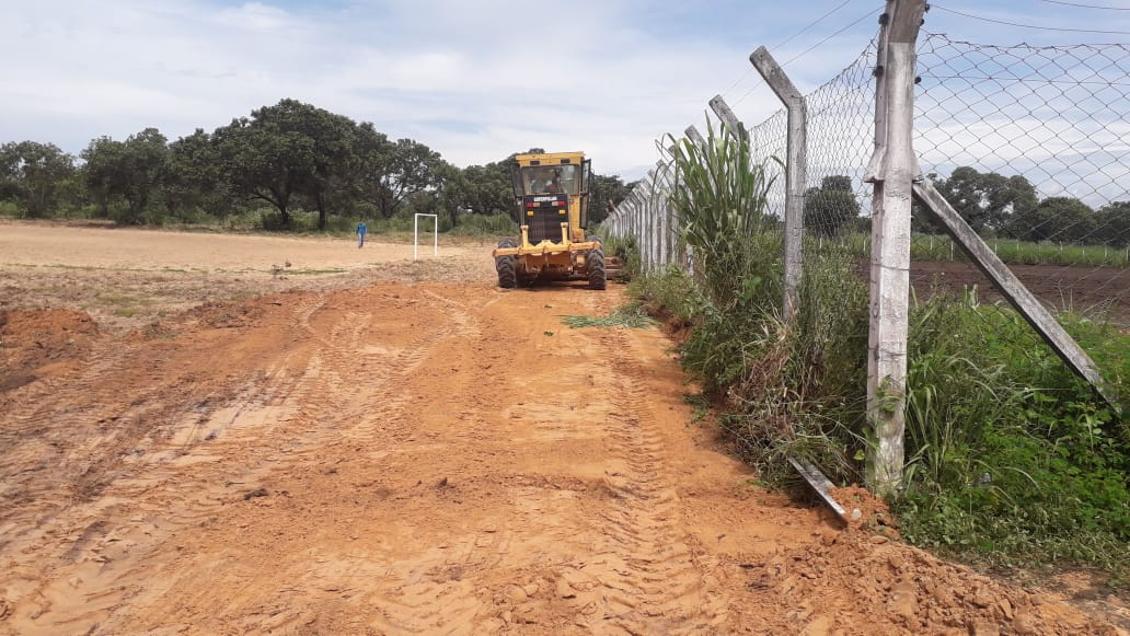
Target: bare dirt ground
point(126, 278)
point(1101, 291)
point(416, 451)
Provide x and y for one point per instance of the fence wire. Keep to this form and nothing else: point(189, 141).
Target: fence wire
point(841, 124)
point(1031, 144)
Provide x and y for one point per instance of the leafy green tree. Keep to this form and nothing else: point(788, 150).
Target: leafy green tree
point(335, 162)
point(282, 151)
point(607, 192)
point(1058, 219)
point(100, 158)
point(410, 167)
point(195, 179)
point(35, 175)
point(485, 189)
point(986, 200)
point(133, 170)
point(831, 207)
point(1113, 223)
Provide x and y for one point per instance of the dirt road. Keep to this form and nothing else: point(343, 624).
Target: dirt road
point(422, 458)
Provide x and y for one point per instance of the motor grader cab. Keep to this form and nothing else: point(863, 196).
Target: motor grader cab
point(552, 195)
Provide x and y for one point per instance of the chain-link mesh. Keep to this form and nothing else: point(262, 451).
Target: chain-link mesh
point(841, 123)
point(1031, 145)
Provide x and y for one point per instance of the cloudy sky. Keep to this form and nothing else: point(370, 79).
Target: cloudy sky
point(475, 80)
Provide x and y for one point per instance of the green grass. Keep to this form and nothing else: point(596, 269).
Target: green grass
point(928, 247)
point(632, 316)
point(482, 225)
point(311, 271)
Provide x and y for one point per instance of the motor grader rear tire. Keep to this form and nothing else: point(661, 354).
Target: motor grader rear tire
point(507, 266)
point(595, 262)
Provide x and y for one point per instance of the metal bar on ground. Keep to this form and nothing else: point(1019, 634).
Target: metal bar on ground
point(821, 484)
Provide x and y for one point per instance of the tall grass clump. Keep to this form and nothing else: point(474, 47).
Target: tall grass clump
point(784, 382)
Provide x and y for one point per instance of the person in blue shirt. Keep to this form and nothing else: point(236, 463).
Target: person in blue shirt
point(361, 231)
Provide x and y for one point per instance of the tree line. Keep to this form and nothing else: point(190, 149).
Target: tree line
point(288, 157)
point(994, 205)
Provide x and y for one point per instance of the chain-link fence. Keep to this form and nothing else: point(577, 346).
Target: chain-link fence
point(1027, 144)
point(841, 124)
point(1031, 145)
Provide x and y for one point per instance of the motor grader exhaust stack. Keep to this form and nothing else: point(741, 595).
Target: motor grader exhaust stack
point(552, 195)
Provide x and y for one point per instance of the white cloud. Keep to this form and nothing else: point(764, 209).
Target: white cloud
point(475, 80)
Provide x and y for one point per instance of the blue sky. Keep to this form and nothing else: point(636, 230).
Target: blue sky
point(474, 80)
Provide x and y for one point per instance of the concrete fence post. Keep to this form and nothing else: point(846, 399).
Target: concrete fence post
point(730, 121)
point(796, 172)
point(893, 169)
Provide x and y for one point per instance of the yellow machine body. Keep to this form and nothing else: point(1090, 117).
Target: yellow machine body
point(552, 195)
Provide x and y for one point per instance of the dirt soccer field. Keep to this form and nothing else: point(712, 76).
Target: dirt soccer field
point(407, 449)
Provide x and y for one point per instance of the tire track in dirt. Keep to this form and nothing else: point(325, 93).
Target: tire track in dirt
point(420, 459)
point(659, 585)
point(429, 594)
point(180, 488)
point(350, 400)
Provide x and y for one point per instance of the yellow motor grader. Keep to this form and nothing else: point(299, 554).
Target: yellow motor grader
point(552, 194)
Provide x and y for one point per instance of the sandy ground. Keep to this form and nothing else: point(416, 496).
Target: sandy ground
point(420, 452)
point(128, 278)
point(45, 245)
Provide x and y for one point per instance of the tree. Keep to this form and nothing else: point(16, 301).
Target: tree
point(284, 150)
point(195, 178)
point(1113, 223)
point(335, 162)
point(411, 167)
point(1059, 219)
point(34, 175)
point(986, 200)
point(830, 207)
point(132, 170)
point(606, 193)
point(485, 189)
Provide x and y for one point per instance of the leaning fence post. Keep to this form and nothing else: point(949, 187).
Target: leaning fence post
point(796, 171)
point(695, 136)
point(730, 121)
point(893, 168)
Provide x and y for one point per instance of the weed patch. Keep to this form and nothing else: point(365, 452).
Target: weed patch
point(628, 317)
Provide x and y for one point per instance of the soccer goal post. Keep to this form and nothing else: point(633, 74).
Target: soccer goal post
point(416, 234)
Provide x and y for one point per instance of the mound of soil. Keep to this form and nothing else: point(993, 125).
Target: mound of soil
point(865, 510)
point(226, 315)
point(858, 578)
point(31, 340)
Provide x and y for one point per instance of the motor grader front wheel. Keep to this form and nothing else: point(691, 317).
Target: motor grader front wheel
point(507, 266)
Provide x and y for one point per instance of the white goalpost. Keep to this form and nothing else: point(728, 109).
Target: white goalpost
point(416, 234)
